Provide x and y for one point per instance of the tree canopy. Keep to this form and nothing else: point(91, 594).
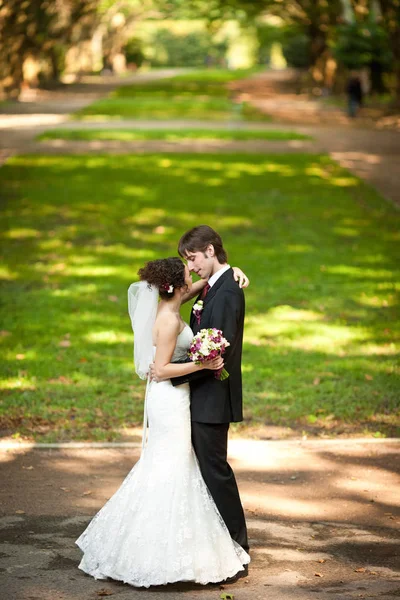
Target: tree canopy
point(48, 29)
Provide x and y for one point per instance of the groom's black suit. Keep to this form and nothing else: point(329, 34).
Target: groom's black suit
point(215, 404)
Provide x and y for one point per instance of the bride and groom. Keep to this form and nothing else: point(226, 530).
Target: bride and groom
point(177, 515)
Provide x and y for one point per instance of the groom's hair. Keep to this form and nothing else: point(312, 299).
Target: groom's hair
point(198, 239)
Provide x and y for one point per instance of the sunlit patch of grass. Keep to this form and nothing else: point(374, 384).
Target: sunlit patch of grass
point(201, 82)
point(5, 273)
point(217, 75)
point(322, 326)
point(169, 135)
point(201, 95)
point(143, 107)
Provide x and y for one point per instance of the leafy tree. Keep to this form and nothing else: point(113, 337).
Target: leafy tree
point(296, 50)
point(390, 10)
point(365, 45)
point(40, 29)
point(134, 52)
point(192, 49)
point(315, 18)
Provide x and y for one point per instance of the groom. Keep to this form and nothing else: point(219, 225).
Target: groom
point(215, 404)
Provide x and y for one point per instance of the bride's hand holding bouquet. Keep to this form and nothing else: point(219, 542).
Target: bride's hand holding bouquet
point(209, 345)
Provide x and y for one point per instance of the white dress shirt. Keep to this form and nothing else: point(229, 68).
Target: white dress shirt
point(217, 275)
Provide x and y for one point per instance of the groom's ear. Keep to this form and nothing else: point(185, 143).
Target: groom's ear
point(210, 251)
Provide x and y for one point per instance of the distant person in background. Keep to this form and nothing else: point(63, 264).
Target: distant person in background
point(354, 94)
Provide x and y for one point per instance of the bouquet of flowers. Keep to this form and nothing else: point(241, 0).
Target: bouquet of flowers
point(206, 345)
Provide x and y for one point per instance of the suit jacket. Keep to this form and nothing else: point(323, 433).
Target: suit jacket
point(212, 400)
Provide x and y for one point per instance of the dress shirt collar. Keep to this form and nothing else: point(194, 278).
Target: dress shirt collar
point(217, 275)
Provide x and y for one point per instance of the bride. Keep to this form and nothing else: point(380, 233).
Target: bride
point(162, 525)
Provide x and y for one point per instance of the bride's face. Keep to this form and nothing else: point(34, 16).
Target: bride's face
point(188, 278)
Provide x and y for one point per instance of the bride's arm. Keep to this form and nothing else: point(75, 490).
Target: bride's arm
point(166, 340)
point(197, 286)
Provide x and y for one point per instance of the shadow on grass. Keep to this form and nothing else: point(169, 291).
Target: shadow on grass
point(319, 246)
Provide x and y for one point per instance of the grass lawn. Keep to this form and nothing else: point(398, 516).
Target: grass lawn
point(201, 108)
point(320, 248)
point(202, 82)
point(171, 135)
point(202, 95)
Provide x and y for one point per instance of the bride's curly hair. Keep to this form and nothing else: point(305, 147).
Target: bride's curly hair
point(163, 273)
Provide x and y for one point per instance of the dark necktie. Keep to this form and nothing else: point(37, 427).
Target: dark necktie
point(205, 290)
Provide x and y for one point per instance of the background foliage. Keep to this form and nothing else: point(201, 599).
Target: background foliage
point(85, 35)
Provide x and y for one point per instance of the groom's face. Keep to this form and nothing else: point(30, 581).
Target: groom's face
point(200, 263)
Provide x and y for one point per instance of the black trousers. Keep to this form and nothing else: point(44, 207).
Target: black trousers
point(210, 442)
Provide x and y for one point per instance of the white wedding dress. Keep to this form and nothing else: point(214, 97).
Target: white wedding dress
point(162, 525)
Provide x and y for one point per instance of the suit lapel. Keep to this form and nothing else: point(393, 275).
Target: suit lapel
point(193, 321)
point(195, 327)
point(214, 289)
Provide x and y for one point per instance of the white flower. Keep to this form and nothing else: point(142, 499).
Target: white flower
point(198, 306)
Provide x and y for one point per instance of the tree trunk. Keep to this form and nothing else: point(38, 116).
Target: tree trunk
point(318, 43)
point(390, 10)
point(14, 80)
point(397, 88)
point(376, 77)
point(54, 64)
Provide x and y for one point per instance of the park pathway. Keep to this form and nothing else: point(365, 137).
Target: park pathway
point(369, 152)
point(323, 519)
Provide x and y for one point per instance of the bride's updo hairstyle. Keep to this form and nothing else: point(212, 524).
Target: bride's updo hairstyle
point(165, 273)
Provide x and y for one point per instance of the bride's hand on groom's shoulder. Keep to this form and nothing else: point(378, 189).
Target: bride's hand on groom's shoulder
point(240, 277)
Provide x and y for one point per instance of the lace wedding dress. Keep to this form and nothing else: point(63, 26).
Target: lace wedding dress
point(162, 525)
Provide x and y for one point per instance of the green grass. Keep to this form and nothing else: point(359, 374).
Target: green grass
point(170, 135)
point(217, 75)
point(320, 247)
point(197, 107)
point(208, 82)
point(201, 95)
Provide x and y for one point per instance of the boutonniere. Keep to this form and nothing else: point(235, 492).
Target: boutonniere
point(197, 309)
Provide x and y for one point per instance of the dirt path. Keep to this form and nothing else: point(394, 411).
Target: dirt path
point(37, 110)
point(323, 520)
point(369, 145)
